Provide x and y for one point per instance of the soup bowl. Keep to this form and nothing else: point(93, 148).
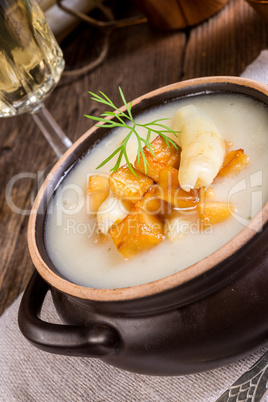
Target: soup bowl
point(205, 316)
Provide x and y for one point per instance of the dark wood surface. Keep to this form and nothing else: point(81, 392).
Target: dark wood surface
point(140, 59)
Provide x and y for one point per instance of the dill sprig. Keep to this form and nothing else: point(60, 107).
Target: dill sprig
point(126, 120)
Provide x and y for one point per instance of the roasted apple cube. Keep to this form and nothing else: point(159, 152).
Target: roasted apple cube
point(138, 232)
point(211, 213)
point(151, 203)
point(165, 156)
point(234, 162)
point(228, 145)
point(170, 191)
point(125, 185)
point(168, 178)
point(98, 189)
point(206, 193)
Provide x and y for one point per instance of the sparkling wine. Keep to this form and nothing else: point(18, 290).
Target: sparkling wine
point(31, 62)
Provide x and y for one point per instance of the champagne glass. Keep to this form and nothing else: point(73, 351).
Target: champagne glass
point(31, 66)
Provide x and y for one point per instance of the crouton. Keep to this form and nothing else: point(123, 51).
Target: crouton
point(170, 191)
point(98, 189)
point(125, 185)
point(211, 213)
point(151, 203)
point(234, 162)
point(138, 232)
point(165, 156)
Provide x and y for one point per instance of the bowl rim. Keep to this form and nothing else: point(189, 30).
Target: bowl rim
point(159, 285)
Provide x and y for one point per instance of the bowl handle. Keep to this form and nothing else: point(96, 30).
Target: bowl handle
point(98, 340)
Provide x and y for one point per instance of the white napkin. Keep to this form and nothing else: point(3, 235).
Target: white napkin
point(28, 374)
point(258, 69)
point(61, 22)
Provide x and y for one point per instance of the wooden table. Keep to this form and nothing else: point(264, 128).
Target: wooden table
point(140, 59)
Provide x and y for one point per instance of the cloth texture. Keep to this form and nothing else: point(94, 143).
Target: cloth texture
point(258, 69)
point(29, 374)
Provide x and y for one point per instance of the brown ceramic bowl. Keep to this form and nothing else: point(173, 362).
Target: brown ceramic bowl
point(205, 316)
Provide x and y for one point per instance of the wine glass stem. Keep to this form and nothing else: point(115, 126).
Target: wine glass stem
point(52, 131)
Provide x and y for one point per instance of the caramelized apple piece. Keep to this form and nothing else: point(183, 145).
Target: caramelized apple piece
point(206, 194)
point(170, 191)
point(98, 189)
point(151, 203)
point(234, 162)
point(138, 232)
point(165, 156)
point(125, 185)
point(211, 213)
point(228, 145)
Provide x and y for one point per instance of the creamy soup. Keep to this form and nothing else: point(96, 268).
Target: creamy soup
point(71, 237)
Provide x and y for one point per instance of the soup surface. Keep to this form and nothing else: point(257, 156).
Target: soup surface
point(71, 237)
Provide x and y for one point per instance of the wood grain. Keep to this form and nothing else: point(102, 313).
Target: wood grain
point(140, 59)
point(226, 43)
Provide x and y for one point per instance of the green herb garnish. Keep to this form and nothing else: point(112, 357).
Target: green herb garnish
point(125, 119)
